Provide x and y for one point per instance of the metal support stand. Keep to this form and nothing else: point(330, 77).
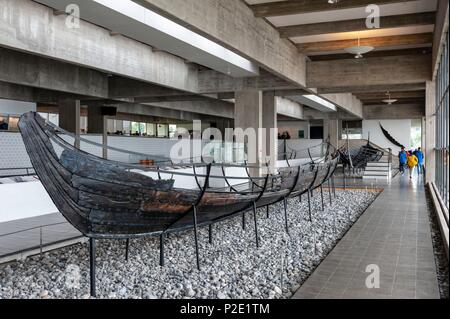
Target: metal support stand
point(196, 237)
point(321, 195)
point(127, 249)
point(210, 232)
point(286, 216)
point(334, 224)
point(256, 224)
point(300, 198)
point(334, 186)
point(161, 250)
point(92, 266)
point(268, 212)
point(40, 242)
point(329, 191)
point(243, 220)
point(345, 181)
point(309, 206)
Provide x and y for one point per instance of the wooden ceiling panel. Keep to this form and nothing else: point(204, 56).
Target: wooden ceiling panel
point(427, 18)
point(377, 42)
point(272, 9)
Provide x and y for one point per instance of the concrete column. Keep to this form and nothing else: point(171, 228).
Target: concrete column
point(69, 117)
point(255, 110)
point(222, 125)
point(269, 122)
point(248, 118)
point(98, 124)
point(331, 130)
point(430, 131)
point(95, 120)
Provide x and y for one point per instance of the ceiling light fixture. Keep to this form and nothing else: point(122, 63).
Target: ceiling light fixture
point(389, 100)
point(333, 1)
point(359, 49)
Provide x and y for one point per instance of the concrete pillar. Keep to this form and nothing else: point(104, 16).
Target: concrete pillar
point(255, 110)
point(423, 126)
point(98, 124)
point(69, 117)
point(269, 122)
point(248, 120)
point(221, 125)
point(430, 131)
point(331, 130)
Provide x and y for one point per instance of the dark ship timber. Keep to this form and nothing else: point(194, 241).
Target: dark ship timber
point(111, 200)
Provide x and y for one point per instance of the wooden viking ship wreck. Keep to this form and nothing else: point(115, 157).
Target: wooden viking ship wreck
point(111, 200)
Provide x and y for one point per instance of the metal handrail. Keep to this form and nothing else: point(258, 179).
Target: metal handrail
point(27, 169)
point(41, 242)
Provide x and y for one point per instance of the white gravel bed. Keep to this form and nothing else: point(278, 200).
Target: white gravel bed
point(232, 267)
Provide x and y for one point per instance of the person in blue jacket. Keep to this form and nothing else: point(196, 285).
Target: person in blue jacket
point(402, 156)
point(420, 157)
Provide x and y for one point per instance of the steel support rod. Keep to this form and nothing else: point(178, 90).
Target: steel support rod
point(309, 207)
point(161, 250)
point(345, 181)
point(268, 212)
point(300, 198)
point(321, 195)
point(334, 187)
point(329, 191)
point(256, 224)
point(92, 266)
point(286, 216)
point(40, 242)
point(196, 237)
point(127, 249)
point(210, 232)
point(243, 220)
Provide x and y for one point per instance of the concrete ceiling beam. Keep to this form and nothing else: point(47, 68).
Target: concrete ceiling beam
point(34, 71)
point(30, 27)
point(236, 28)
point(369, 71)
point(373, 88)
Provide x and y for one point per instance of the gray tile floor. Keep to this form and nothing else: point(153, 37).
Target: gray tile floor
point(24, 239)
point(394, 234)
